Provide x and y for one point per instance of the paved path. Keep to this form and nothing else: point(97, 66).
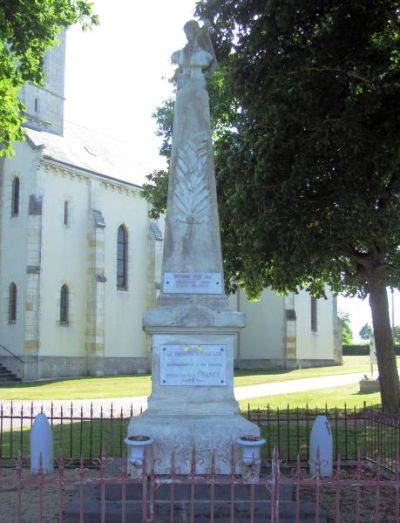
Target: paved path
point(124, 405)
point(282, 387)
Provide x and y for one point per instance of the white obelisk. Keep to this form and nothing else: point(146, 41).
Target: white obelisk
point(194, 333)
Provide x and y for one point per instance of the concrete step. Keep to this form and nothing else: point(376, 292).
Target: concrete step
point(201, 512)
point(6, 375)
point(244, 511)
point(202, 493)
point(8, 379)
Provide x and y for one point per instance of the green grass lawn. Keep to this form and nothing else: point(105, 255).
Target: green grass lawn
point(130, 386)
point(91, 439)
point(348, 395)
point(83, 437)
point(78, 388)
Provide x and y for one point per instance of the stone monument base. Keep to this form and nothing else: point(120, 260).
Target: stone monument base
point(180, 434)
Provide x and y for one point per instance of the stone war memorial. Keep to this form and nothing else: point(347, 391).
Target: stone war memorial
point(193, 331)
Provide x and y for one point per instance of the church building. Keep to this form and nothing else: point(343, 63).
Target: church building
point(80, 260)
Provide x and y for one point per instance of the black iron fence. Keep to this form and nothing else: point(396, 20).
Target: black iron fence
point(84, 431)
point(370, 434)
point(93, 432)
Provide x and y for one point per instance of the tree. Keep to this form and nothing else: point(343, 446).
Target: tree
point(366, 332)
point(28, 29)
point(397, 335)
point(347, 333)
point(307, 151)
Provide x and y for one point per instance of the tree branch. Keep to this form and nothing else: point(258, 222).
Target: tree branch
point(389, 191)
point(344, 72)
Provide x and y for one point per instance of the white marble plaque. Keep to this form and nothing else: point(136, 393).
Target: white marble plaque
point(195, 365)
point(193, 283)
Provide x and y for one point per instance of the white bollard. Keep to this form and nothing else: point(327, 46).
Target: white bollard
point(321, 447)
point(41, 446)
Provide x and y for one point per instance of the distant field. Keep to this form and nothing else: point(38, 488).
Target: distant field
point(131, 386)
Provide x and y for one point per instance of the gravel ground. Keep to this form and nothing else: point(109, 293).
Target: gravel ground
point(30, 507)
point(347, 504)
point(371, 499)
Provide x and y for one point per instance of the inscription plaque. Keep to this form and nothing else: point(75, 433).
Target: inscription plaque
point(196, 365)
point(193, 282)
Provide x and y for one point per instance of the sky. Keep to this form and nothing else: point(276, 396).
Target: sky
point(117, 75)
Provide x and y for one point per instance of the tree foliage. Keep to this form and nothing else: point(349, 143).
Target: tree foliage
point(366, 332)
point(347, 332)
point(28, 29)
point(397, 335)
point(306, 116)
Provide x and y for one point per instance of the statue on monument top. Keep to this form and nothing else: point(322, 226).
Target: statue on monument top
point(197, 58)
point(192, 238)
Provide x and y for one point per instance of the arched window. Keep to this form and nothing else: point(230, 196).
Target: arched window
point(15, 197)
point(122, 258)
point(12, 303)
point(314, 315)
point(66, 212)
point(64, 305)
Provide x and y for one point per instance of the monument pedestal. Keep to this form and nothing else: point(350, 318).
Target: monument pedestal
point(181, 434)
point(192, 404)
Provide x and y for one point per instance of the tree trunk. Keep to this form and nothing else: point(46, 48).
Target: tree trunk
point(387, 366)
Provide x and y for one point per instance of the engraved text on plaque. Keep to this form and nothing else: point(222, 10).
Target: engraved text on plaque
point(196, 365)
point(193, 282)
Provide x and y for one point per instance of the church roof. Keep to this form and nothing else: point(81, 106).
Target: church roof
point(95, 152)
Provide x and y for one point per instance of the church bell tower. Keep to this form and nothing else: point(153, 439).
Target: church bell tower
point(44, 106)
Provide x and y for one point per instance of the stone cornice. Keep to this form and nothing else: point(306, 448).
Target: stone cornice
point(65, 169)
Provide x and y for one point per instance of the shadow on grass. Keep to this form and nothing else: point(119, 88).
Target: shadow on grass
point(89, 439)
point(368, 393)
point(42, 383)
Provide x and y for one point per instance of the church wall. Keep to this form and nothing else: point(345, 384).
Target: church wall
point(124, 336)
point(14, 247)
point(267, 342)
point(261, 341)
point(64, 261)
point(318, 345)
point(64, 255)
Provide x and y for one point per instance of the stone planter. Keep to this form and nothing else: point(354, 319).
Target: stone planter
point(369, 386)
point(138, 448)
point(251, 456)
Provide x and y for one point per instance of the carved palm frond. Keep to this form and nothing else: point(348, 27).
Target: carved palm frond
point(192, 194)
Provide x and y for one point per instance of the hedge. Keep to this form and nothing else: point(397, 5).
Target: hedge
point(362, 350)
